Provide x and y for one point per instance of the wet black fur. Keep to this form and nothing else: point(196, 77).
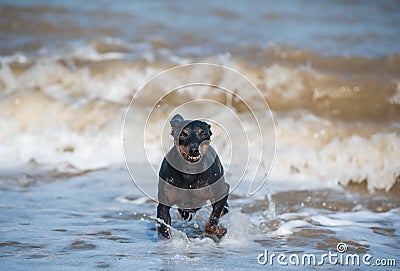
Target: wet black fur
point(170, 174)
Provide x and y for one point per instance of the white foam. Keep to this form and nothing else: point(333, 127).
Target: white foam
point(56, 115)
point(288, 228)
point(316, 156)
point(7, 78)
point(82, 51)
point(326, 221)
point(239, 229)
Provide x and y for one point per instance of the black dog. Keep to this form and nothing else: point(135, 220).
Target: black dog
point(190, 174)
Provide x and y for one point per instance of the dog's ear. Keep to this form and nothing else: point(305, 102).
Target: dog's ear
point(175, 122)
point(209, 129)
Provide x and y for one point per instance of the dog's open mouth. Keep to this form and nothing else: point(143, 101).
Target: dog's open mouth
point(193, 159)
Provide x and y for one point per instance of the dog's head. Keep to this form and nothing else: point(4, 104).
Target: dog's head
point(191, 137)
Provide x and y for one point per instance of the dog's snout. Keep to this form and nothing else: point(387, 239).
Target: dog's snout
point(194, 152)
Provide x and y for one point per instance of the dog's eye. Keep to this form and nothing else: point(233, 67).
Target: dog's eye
point(183, 134)
point(203, 135)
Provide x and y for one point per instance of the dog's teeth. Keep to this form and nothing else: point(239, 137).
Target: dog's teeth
point(194, 158)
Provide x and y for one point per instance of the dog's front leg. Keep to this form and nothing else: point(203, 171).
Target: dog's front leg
point(212, 223)
point(164, 218)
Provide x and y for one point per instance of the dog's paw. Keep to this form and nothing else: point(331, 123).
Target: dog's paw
point(218, 231)
point(164, 233)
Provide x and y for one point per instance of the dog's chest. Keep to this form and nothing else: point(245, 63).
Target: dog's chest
point(193, 181)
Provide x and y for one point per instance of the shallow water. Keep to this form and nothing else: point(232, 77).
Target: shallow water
point(100, 220)
point(68, 71)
